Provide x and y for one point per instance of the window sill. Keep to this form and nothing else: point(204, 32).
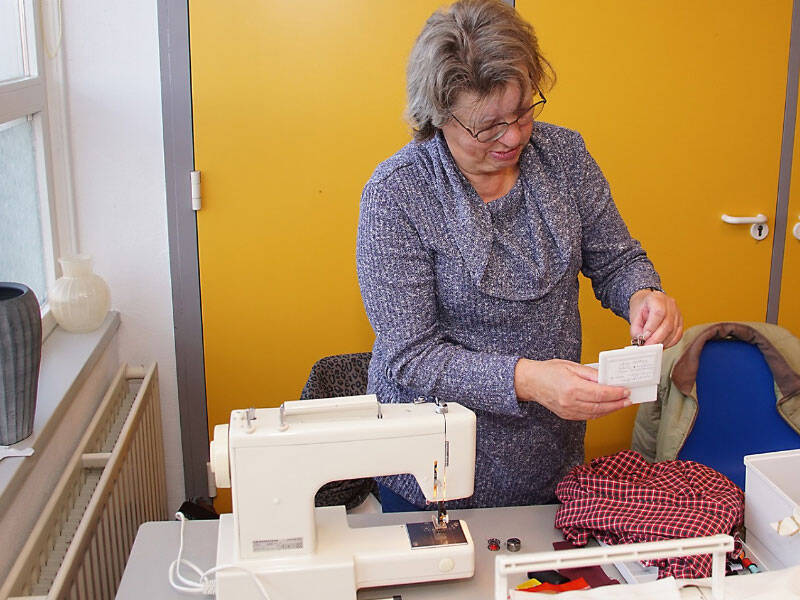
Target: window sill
point(48, 323)
point(67, 362)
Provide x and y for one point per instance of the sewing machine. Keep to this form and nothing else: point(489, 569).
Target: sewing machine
point(275, 460)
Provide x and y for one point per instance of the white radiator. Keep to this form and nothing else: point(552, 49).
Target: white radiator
point(113, 483)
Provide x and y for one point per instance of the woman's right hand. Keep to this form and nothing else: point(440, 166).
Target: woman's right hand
point(568, 389)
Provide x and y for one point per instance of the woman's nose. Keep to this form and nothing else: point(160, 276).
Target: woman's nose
point(512, 135)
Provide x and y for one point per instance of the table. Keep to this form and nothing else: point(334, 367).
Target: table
point(156, 546)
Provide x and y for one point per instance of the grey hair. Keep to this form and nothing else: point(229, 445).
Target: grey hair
point(476, 46)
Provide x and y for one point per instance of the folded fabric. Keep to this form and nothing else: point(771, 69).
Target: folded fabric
point(550, 588)
point(594, 576)
point(525, 585)
point(663, 589)
point(623, 499)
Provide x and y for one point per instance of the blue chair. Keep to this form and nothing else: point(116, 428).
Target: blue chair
point(737, 414)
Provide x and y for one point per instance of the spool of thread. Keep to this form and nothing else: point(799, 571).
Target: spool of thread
point(736, 567)
point(750, 565)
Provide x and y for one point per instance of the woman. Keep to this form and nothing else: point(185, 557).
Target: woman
point(470, 241)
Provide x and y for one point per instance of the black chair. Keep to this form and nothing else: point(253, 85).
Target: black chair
point(332, 377)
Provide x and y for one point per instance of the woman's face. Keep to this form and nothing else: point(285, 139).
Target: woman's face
point(475, 158)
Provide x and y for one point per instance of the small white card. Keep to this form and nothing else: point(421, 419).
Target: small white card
point(637, 368)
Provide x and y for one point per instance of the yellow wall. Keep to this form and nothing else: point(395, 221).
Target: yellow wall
point(681, 103)
point(295, 104)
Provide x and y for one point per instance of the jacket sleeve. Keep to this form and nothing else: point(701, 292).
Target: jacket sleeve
point(645, 429)
point(615, 262)
point(398, 286)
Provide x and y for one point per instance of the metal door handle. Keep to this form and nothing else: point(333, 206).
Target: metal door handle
point(796, 230)
point(758, 224)
point(759, 218)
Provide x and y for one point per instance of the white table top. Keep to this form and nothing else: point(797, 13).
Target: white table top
point(156, 546)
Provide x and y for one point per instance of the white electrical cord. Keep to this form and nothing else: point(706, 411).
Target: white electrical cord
point(204, 585)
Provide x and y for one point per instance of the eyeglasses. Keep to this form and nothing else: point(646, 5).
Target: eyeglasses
point(496, 131)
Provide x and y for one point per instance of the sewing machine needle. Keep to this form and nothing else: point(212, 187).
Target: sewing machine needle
point(441, 516)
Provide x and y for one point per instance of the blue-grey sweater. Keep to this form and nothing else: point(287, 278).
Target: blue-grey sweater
point(458, 290)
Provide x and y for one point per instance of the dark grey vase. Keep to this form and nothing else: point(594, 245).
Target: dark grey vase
point(20, 355)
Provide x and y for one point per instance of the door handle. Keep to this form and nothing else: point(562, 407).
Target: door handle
point(758, 224)
point(759, 218)
point(796, 229)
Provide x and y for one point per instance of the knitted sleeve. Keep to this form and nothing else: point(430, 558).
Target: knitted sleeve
point(615, 262)
point(398, 286)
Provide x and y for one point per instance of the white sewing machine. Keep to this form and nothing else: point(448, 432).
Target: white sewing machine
point(275, 460)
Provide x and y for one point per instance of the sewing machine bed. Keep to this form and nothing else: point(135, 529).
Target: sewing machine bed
point(156, 546)
point(425, 534)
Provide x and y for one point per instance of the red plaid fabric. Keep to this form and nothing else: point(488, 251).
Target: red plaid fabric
point(623, 499)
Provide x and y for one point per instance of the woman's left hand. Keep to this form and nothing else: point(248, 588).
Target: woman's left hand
point(656, 317)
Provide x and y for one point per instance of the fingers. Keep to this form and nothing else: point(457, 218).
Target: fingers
point(581, 411)
point(660, 334)
point(602, 394)
point(639, 311)
point(637, 322)
point(587, 389)
point(595, 410)
point(666, 330)
point(585, 372)
point(656, 314)
point(676, 335)
point(568, 389)
point(664, 323)
point(638, 319)
point(670, 331)
point(592, 400)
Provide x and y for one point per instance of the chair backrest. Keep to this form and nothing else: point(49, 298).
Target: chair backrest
point(332, 377)
point(338, 375)
point(737, 414)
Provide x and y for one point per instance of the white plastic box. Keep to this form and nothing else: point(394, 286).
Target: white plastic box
point(772, 494)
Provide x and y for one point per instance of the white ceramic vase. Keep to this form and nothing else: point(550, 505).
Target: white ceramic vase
point(80, 299)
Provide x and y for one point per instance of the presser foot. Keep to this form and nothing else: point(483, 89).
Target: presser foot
point(427, 534)
point(440, 520)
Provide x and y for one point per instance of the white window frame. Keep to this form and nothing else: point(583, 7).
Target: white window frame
point(43, 95)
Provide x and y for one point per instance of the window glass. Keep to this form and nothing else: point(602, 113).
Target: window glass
point(12, 42)
point(21, 251)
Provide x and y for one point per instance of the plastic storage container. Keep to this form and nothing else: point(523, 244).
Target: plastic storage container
point(772, 495)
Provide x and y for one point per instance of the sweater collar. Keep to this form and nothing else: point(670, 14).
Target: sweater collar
point(510, 267)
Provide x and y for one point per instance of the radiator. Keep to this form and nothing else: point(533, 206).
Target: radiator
point(114, 482)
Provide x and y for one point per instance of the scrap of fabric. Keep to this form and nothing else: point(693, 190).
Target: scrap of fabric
point(623, 499)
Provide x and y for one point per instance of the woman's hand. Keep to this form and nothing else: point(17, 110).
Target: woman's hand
point(568, 389)
point(656, 317)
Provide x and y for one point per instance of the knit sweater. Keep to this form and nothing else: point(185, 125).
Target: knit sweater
point(458, 290)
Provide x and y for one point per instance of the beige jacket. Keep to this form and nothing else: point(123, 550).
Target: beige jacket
point(661, 427)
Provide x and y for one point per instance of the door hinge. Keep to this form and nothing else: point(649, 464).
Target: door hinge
point(212, 482)
point(197, 199)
